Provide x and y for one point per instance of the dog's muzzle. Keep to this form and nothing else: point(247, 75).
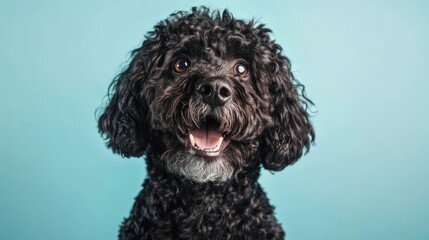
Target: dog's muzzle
point(207, 140)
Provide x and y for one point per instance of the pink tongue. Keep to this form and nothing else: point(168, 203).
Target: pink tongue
point(206, 138)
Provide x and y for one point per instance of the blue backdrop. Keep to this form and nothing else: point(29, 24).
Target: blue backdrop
point(364, 63)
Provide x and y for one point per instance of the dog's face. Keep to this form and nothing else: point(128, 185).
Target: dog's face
point(211, 92)
point(210, 104)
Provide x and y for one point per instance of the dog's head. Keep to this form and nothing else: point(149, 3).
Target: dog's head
point(207, 93)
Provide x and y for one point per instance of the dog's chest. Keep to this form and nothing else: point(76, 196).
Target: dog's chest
point(203, 213)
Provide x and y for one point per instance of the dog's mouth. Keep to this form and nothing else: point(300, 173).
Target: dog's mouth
point(207, 140)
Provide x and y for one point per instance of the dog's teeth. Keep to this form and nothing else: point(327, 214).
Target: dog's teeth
point(219, 142)
point(192, 140)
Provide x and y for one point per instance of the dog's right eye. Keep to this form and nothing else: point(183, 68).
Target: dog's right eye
point(181, 65)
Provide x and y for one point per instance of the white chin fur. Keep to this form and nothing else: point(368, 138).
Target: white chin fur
point(199, 169)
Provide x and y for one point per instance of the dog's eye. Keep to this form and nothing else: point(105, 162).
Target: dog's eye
point(241, 70)
point(181, 65)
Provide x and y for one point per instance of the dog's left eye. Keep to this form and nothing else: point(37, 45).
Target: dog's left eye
point(240, 69)
point(181, 65)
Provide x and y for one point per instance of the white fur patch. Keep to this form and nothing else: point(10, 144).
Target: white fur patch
point(198, 168)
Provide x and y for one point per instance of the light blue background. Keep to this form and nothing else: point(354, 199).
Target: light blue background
point(364, 63)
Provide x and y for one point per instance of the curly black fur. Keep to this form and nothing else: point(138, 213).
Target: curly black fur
point(153, 107)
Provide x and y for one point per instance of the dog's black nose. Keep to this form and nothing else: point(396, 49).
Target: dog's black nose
point(215, 92)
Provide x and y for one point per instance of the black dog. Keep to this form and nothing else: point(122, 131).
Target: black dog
point(208, 99)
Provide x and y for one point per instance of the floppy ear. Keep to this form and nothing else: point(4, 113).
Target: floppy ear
point(123, 122)
point(291, 133)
